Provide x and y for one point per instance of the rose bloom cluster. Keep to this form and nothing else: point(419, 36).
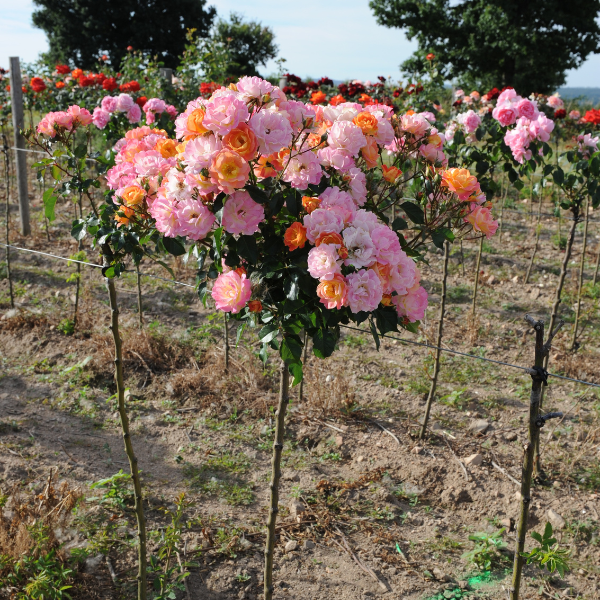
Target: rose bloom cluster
point(124, 103)
point(529, 123)
point(250, 132)
point(65, 121)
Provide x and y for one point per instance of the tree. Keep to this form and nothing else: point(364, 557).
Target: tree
point(248, 45)
point(525, 45)
point(81, 30)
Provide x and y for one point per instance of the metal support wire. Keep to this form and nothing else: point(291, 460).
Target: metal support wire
point(403, 340)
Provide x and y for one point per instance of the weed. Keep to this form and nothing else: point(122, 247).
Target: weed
point(455, 399)
point(548, 554)
point(559, 241)
point(589, 477)
point(117, 490)
point(485, 554)
point(460, 293)
point(355, 341)
point(388, 382)
point(66, 327)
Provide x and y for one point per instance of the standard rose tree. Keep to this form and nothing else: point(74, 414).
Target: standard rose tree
point(291, 202)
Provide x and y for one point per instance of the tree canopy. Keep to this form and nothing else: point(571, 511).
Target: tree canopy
point(249, 44)
point(81, 30)
point(525, 45)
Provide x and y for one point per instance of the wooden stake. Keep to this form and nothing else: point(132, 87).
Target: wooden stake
point(474, 304)
point(226, 340)
point(133, 461)
point(7, 181)
point(537, 239)
point(284, 383)
point(436, 368)
point(301, 385)
point(139, 295)
point(18, 119)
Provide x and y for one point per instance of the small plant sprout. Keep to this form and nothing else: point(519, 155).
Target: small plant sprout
point(485, 554)
point(548, 555)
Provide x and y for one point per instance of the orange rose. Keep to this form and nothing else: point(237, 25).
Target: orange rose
point(410, 112)
point(242, 140)
point(367, 122)
point(229, 171)
point(76, 73)
point(435, 140)
point(194, 122)
point(318, 97)
point(268, 166)
point(123, 215)
point(370, 152)
point(461, 182)
point(255, 306)
point(335, 100)
point(309, 204)
point(329, 238)
point(241, 271)
point(333, 292)
point(391, 173)
point(314, 140)
point(386, 300)
point(133, 195)
point(365, 99)
point(167, 148)
point(60, 85)
point(295, 236)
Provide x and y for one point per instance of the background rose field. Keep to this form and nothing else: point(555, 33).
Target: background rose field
point(298, 303)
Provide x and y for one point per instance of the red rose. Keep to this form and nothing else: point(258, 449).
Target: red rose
point(129, 48)
point(592, 116)
point(130, 86)
point(37, 84)
point(109, 84)
point(561, 113)
point(493, 93)
point(86, 81)
point(430, 56)
point(63, 69)
point(141, 101)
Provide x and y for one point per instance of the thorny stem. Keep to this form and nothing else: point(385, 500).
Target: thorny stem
point(133, 461)
point(301, 385)
point(537, 239)
point(541, 351)
point(284, 382)
point(8, 273)
point(474, 304)
point(556, 305)
point(597, 264)
point(226, 333)
point(139, 295)
point(436, 368)
point(581, 267)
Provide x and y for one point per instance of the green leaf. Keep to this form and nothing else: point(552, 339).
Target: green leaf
point(558, 176)
point(291, 349)
point(268, 332)
point(78, 230)
point(56, 173)
point(80, 151)
point(398, 224)
point(49, 203)
point(247, 248)
point(293, 202)
point(173, 246)
point(239, 333)
point(386, 319)
point(296, 372)
point(276, 203)
point(264, 353)
point(291, 287)
point(257, 194)
point(415, 213)
point(324, 341)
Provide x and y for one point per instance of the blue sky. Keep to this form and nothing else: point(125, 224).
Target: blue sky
point(334, 38)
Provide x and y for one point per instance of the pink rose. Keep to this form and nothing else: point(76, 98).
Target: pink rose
point(470, 121)
point(134, 114)
point(481, 220)
point(505, 114)
point(124, 103)
point(224, 113)
point(302, 170)
point(361, 248)
point(413, 304)
point(338, 201)
point(109, 104)
point(416, 124)
point(194, 218)
point(273, 131)
point(241, 215)
point(338, 159)
point(527, 108)
point(364, 291)
point(164, 212)
point(345, 135)
point(322, 221)
point(253, 88)
point(324, 261)
point(231, 291)
point(100, 118)
point(387, 245)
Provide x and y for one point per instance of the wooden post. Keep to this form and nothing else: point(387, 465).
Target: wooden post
point(16, 99)
point(7, 182)
point(167, 76)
